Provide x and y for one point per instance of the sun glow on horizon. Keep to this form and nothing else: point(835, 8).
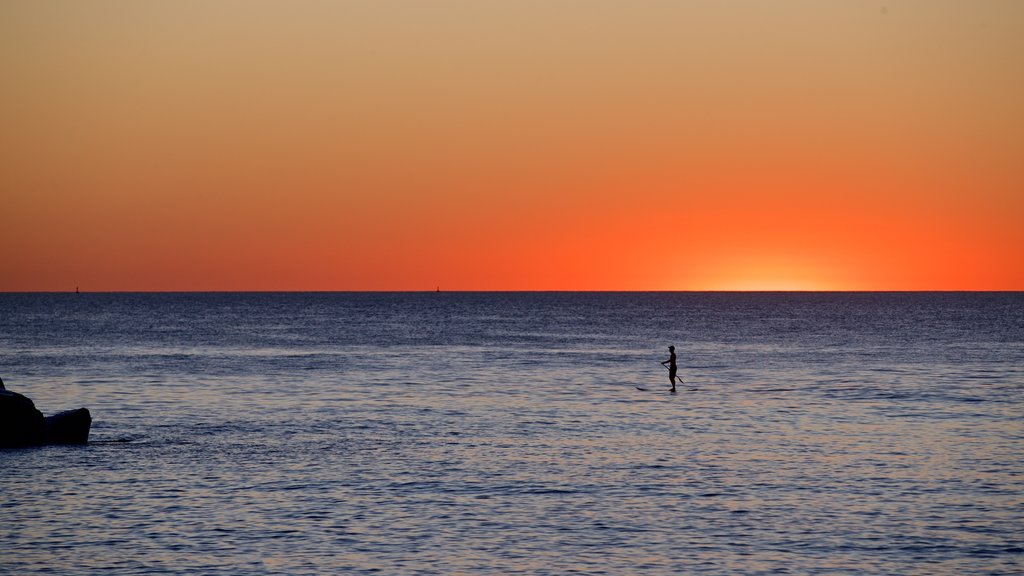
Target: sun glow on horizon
point(772, 285)
point(766, 270)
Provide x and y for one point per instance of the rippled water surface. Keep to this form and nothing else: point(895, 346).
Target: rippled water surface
point(503, 433)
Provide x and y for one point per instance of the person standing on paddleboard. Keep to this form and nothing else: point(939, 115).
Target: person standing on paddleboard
point(671, 362)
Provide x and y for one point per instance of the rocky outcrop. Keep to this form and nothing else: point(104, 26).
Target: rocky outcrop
point(21, 424)
point(67, 427)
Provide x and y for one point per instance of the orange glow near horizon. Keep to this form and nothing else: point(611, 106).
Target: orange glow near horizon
point(405, 145)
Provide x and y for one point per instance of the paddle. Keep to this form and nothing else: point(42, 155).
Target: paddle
point(669, 369)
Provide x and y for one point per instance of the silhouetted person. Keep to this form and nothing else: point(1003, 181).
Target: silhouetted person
point(672, 367)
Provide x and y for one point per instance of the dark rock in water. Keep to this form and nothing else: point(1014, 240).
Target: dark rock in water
point(68, 427)
point(20, 423)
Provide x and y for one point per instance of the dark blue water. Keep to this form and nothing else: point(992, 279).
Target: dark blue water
point(817, 433)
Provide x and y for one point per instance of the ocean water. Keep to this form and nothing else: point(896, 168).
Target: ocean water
point(491, 433)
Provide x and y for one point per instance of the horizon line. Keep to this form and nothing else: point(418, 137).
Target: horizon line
point(540, 291)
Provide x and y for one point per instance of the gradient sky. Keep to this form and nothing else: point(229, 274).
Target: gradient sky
point(527, 145)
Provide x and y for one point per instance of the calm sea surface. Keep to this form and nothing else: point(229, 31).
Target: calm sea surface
point(468, 433)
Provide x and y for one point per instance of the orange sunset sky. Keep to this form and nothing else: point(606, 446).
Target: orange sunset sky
point(526, 145)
